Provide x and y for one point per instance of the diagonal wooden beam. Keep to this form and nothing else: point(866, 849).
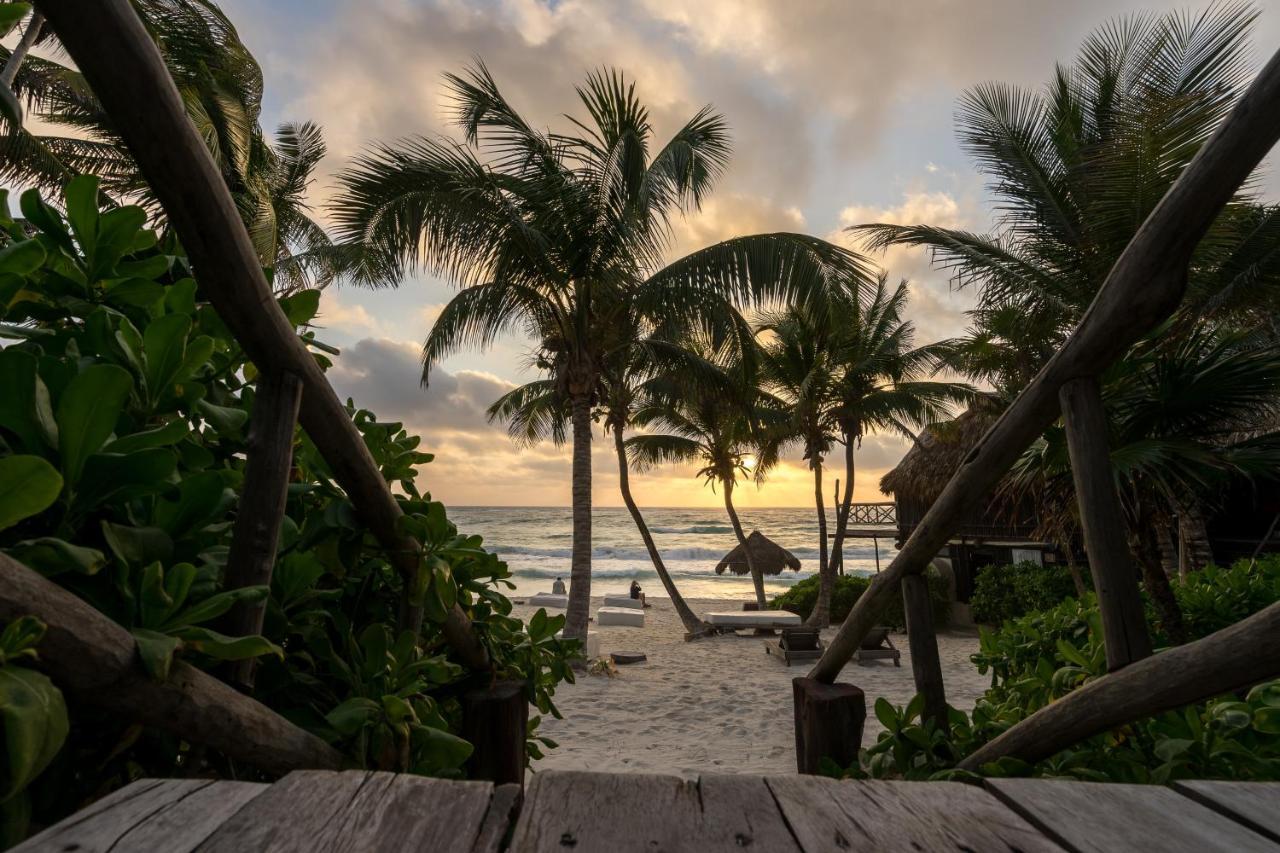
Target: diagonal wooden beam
point(1143, 289)
point(123, 66)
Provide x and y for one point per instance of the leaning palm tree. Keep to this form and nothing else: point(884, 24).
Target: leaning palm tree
point(221, 85)
point(561, 236)
point(880, 387)
point(713, 418)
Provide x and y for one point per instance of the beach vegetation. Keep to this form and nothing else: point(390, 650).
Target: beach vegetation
point(124, 405)
point(802, 597)
point(1001, 593)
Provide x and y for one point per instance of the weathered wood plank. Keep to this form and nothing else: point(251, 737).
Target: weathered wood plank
point(829, 720)
point(739, 812)
point(500, 819)
point(495, 719)
point(291, 815)
point(1094, 816)
point(588, 811)
point(169, 815)
point(926, 667)
point(1254, 804)
point(826, 814)
point(1124, 622)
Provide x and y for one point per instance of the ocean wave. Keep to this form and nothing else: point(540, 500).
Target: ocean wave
point(609, 552)
point(647, 574)
point(696, 528)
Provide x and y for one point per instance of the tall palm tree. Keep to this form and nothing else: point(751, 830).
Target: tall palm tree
point(560, 236)
point(880, 388)
point(715, 424)
point(1076, 169)
point(221, 85)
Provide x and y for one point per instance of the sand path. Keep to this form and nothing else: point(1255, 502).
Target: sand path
point(716, 705)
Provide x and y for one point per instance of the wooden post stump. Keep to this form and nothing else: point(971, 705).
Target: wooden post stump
point(926, 667)
point(1124, 624)
point(495, 720)
point(829, 723)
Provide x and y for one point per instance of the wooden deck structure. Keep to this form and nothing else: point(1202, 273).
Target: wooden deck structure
point(586, 812)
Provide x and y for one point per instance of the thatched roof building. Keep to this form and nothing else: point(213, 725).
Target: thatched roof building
point(937, 453)
point(770, 557)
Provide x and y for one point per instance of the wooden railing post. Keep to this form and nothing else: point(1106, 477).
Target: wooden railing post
point(926, 667)
point(1124, 624)
point(829, 723)
point(495, 720)
point(260, 514)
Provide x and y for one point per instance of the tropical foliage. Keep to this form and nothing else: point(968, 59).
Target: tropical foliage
point(1001, 593)
point(563, 236)
point(123, 410)
point(802, 597)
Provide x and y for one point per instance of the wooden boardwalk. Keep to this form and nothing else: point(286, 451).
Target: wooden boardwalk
point(586, 812)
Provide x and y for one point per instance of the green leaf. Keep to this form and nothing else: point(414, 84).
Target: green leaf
point(227, 421)
point(81, 195)
point(33, 716)
point(218, 604)
point(154, 602)
point(108, 475)
point(51, 556)
point(24, 401)
point(165, 343)
point(1267, 720)
point(87, 413)
point(137, 545)
point(28, 485)
point(353, 715)
point(137, 292)
point(222, 647)
point(23, 257)
point(156, 651)
point(163, 436)
point(442, 749)
point(201, 497)
point(45, 218)
point(301, 307)
point(885, 713)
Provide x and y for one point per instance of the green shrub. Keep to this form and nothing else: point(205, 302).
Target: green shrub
point(124, 405)
point(1001, 593)
point(1040, 657)
point(801, 598)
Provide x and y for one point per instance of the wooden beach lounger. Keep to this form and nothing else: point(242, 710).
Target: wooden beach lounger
point(796, 644)
point(877, 646)
point(760, 619)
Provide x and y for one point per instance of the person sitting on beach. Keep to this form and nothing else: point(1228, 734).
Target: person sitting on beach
point(635, 590)
point(557, 588)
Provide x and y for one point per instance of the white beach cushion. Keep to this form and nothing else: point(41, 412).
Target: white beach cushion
point(754, 619)
point(620, 616)
point(623, 601)
point(592, 650)
point(549, 599)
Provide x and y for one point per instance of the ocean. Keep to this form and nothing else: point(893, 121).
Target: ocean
point(535, 542)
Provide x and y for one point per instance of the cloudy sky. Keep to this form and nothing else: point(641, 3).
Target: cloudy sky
point(841, 113)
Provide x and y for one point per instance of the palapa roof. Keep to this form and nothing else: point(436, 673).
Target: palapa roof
point(770, 557)
point(938, 452)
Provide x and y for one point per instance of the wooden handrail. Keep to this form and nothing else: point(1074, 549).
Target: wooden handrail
point(95, 661)
point(123, 66)
point(1143, 289)
point(1242, 655)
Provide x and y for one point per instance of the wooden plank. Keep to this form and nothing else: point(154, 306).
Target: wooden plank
point(1243, 654)
point(495, 719)
point(1143, 288)
point(149, 815)
point(291, 816)
point(1124, 622)
point(1254, 804)
point(95, 661)
point(826, 814)
point(738, 812)
point(614, 811)
point(829, 720)
point(926, 667)
point(500, 819)
point(1095, 816)
point(324, 812)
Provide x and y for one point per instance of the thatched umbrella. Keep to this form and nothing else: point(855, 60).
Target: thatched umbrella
point(769, 557)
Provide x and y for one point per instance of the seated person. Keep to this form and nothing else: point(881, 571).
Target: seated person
point(557, 588)
point(635, 591)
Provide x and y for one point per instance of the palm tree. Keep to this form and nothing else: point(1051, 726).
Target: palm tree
point(221, 84)
point(880, 389)
point(708, 421)
point(562, 237)
point(1076, 170)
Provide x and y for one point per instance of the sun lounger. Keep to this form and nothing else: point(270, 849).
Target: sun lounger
point(549, 599)
point(877, 646)
point(622, 600)
point(796, 644)
point(624, 616)
point(591, 648)
point(760, 619)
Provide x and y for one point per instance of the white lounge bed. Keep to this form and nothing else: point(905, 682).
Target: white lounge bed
point(625, 616)
point(549, 599)
point(754, 619)
point(622, 600)
point(591, 648)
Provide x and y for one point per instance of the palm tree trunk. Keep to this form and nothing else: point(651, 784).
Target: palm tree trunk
point(821, 615)
point(1147, 549)
point(757, 577)
point(844, 509)
point(19, 54)
point(578, 612)
point(692, 624)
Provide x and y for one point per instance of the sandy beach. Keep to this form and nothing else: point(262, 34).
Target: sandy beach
point(719, 704)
